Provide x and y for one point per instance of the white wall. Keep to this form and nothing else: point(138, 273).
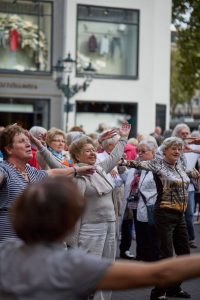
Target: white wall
point(154, 47)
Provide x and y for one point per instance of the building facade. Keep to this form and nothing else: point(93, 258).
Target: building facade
point(127, 42)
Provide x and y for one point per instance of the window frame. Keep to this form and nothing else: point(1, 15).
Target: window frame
point(37, 72)
point(112, 76)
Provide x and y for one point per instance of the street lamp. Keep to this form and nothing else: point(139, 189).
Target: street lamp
point(62, 72)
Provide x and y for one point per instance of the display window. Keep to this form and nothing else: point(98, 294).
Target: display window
point(25, 36)
point(109, 38)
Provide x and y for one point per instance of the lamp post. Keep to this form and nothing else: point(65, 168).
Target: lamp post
point(62, 73)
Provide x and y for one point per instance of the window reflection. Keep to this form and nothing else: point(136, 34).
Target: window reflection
point(108, 38)
point(25, 36)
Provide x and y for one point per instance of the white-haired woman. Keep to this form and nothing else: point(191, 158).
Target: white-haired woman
point(172, 182)
point(146, 238)
point(146, 235)
point(39, 133)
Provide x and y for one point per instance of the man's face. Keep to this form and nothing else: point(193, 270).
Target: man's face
point(183, 133)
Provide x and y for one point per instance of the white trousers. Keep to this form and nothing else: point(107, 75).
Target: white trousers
point(99, 239)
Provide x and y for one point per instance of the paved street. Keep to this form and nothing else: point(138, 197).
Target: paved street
point(192, 286)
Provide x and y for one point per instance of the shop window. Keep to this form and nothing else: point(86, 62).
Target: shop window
point(25, 35)
point(109, 38)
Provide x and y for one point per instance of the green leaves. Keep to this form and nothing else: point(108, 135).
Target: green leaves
point(185, 62)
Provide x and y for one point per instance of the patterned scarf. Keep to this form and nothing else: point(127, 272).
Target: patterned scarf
point(61, 158)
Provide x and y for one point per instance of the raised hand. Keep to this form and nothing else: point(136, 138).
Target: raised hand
point(125, 129)
point(107, 135)
point(34, 140)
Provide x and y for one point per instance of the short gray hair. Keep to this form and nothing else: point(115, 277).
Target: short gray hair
point(113, 140)
point(73, 136)
point(37, 130)
point(171, 141)
point(179, 127)
point(150, 144)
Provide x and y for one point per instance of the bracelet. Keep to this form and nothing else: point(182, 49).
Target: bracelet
point(75, 172)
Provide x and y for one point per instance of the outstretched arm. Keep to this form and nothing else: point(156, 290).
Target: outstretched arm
point(118, 151)
point(82, 171)
point(122, 275)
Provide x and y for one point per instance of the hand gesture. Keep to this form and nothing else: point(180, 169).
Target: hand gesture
point(113, 173)
point(107, 135)
point(35, 141)
point(85, 170)
point(194, 141)
point(187, 149)
point(195, 174)
point(125, 130)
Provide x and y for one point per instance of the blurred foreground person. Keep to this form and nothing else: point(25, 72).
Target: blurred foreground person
point(39, 267)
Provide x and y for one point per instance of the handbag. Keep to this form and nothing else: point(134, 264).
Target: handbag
point(150, 210)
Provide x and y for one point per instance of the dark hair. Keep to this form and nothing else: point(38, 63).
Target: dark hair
point(47, 211)
point(7, 136)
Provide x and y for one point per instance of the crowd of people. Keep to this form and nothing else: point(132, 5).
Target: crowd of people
point(70, 202)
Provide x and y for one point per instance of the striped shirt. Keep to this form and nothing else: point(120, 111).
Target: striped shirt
point(12, 184)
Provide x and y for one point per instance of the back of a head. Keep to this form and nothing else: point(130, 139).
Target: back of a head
point(47, 211)
point(37, 130)
point(133, 141)
point(102, 127)
point(73, 136)
point(77, 128)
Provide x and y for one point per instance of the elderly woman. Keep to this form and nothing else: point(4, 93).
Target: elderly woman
point(56, 144)
point(96, 232)
point(189, 159)
point(146, 235)
point(145, 188)
point(107, 146)
point(172, 182)
point(38, 132)
point(16, 174)
point(42, 216)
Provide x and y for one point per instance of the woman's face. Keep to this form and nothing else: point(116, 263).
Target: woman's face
point(172, 153)
point(57, 143)
point(145, 153)
point(87, 155)
point(21, 148)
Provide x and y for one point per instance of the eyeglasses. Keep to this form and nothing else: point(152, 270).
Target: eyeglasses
point(90, 150)
point(58, 141)
point(143, 151)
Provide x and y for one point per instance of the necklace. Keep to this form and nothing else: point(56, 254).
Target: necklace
point(23, 173)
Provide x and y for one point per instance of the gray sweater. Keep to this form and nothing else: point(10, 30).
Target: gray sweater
point(96, 188)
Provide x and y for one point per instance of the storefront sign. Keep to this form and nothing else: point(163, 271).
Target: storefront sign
point(13, 85)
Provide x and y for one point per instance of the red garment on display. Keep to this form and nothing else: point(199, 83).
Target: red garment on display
point(13, 40)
